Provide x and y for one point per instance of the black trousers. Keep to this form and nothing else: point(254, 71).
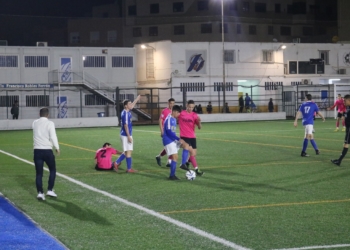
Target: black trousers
point(47, 156)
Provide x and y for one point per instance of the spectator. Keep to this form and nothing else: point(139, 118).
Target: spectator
point(15, 110)
point(226, 108)
point(195, 109)
point(247, 102)
point(253, 106)
point(241, 104)
point(270, 107)
point(209, 108)
point(199, 109)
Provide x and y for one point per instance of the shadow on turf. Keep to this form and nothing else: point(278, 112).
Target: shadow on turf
point(76, 212)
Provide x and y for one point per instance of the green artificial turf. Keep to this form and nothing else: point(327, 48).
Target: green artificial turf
point(257, 192)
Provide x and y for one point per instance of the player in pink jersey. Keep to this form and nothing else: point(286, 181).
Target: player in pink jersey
point(339, 103)
point(103, 158)
point(163, 116)
point(188, 120)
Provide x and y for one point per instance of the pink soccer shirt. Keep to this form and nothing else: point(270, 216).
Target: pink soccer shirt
point(164, 114)
point(104, 157)
point(187, 122)
point(340, 104)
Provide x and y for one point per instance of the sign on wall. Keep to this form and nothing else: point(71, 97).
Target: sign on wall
point(196, 61)
point(66, 69)
point(62, 106)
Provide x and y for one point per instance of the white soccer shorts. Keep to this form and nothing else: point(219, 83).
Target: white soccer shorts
point(127, 146)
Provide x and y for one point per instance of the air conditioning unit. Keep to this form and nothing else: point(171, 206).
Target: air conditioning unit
point(341, 71)
point(305, 81)
point(41, 44)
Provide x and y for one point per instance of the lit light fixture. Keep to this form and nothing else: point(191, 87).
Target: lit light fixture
point(146, 46)
point(83, 58)
point(241, 80)
point(281, 47)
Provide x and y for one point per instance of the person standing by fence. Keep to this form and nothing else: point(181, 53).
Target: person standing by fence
point(15, 110)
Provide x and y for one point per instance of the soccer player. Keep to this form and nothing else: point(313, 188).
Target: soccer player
point(172, 143)
point(162, 118)
point(307, 110)
point(188, 121)
point(347, 133)
point(339, 103)
point(126, 134)
point(103, 158)
point(44, 135)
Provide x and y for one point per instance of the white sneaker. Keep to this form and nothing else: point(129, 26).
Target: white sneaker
point(51, 193)
point(41, 196)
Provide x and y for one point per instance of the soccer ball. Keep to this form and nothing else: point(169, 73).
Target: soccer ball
point(190, 175)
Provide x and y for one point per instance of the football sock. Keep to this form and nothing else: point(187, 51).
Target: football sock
point(120, 159)
point(343, 123)
point(128, 162)
point(313, 143)
point(184, 156)
point(345, 150)
point(163, 152)
point(172, 168)
point(337, 123)
point(306, 141)
point(193, 161)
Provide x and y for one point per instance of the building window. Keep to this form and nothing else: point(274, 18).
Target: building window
point(132, 10)
point(94, 36)
point(229, 57)
point(225, 27)
point(239, 29)
point(179, 29)
point(7, 101)
point(272, 85)
point(252, 30)
point(290, 9)
point(233, 6)
point(154, 8)
point(324, 55)
point(8, 61)
point(112, 36)
point(74, 38)
point(293, 67)
point(206, 28)
point(304, 67)
point(277, 8)
point(94, 61)
point(36, 61)
point(192, 86)
point(260, 7)
point(37, 101)
point(267, 56)
point(246, 6)
point(178, 7)
point(308, 31)
point(203, 5)
point(153, 31)
point(270, 30)
point(218, 86)
point(122, 62)
point(137, 32)
point(91, 99)
point(286, 31)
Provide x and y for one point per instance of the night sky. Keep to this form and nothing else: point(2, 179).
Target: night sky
point(57, 8)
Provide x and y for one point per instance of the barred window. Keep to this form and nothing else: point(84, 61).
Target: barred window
point(94, 61)
point(91, 99)
point(123, 97)
point(112, 36)
point(230, 56)
point(272, 85)
point(7, 101)
point(36, 61)
point(179, 29)
point(268, 56)
point(122, 62)
point(192, 86)
point(94, 36)
point(218, 86)
point(37, 100)
point(9, 61)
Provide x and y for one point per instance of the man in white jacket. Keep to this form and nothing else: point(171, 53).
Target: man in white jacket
point(44, 135)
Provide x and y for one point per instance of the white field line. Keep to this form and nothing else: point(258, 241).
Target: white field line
point(316, 247)
point(146, 210)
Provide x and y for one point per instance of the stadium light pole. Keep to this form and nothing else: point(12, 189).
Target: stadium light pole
point(223, 57)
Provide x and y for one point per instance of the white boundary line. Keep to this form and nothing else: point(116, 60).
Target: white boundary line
point(146, 210)
point(316, 247)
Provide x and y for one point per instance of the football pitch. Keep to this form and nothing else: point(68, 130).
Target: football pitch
point(256, 193)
